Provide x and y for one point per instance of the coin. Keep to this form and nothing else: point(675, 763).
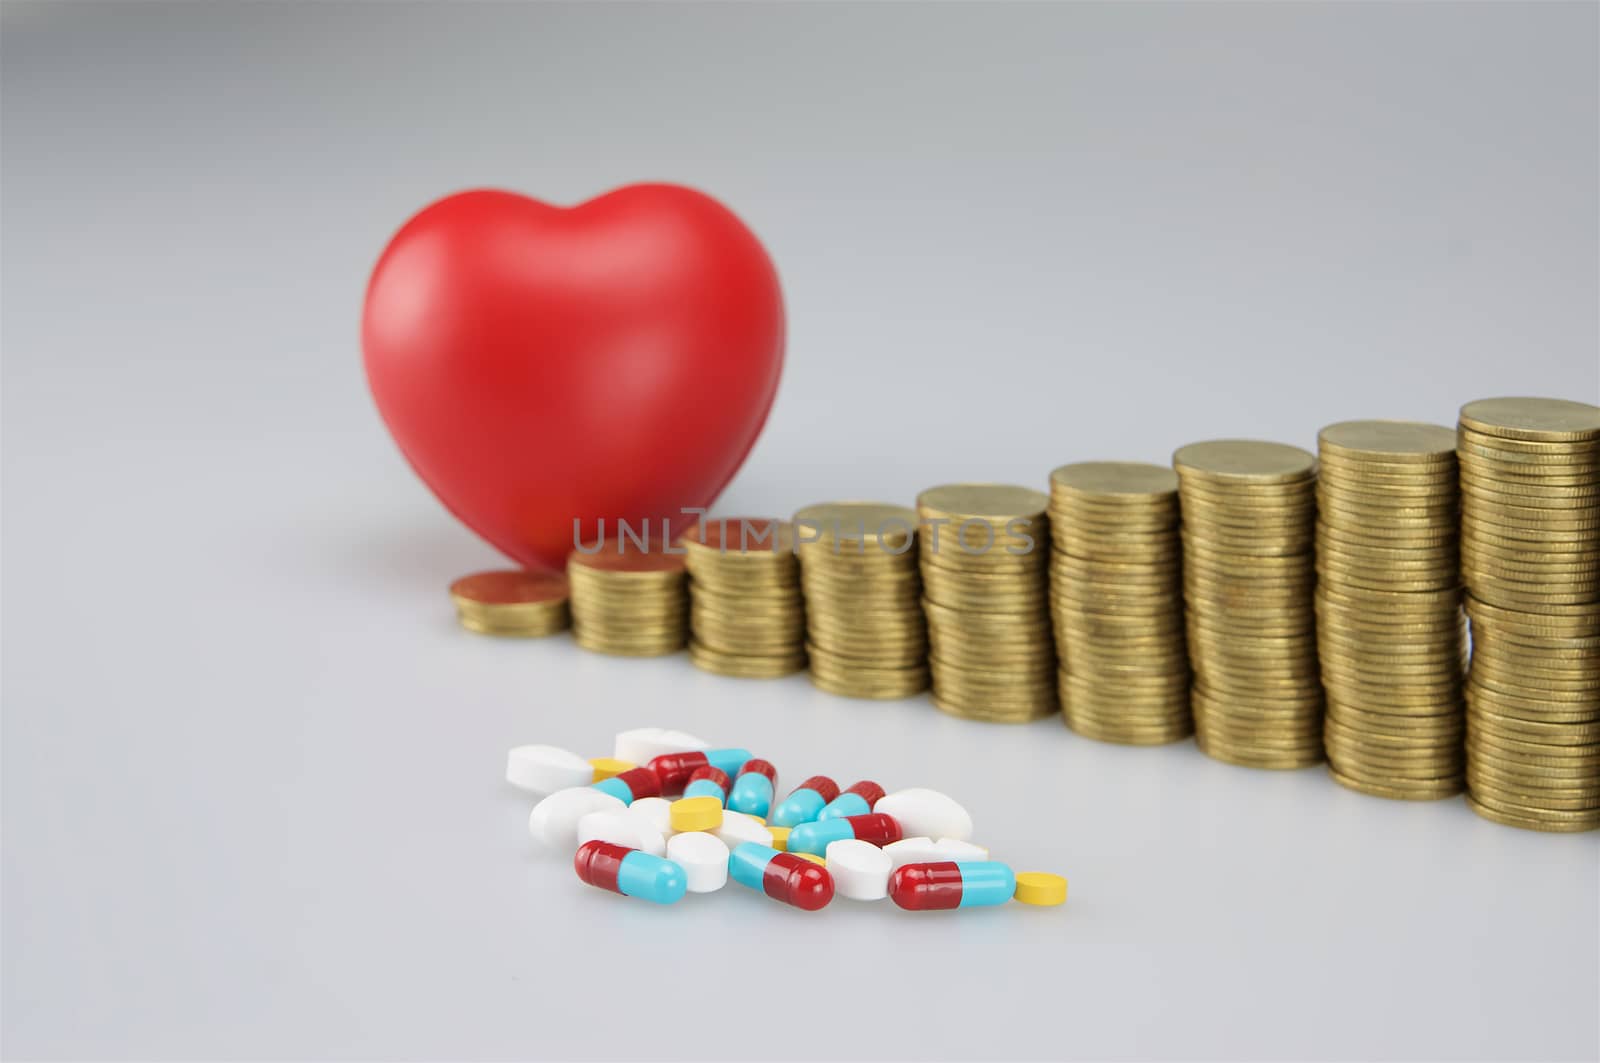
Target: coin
point(512, 603)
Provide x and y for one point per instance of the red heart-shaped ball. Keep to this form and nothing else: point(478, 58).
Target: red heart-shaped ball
point(541, 365)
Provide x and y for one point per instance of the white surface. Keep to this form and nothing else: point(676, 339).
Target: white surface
point(641, 745)
point(554, 820)
point(619, 828)
point(738, 828)
point(860, 869)
point(922, 812)
point(656, 811)
point(253, 803)
point(545, 769)
point(704, 859)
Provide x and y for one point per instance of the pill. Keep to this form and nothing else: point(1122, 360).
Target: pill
point(656, 811)
point(554, 821)
point(951, 884)
point(620, 828)
point(738, 828)
point(696, 813)
point(545, 769)
point(630, 872)
point(674, 769)
point(814, 837)
point(631, 785)
point(781, 876)
point(860, 870)
point(754, 787)
point(856, 800)
point(913, 851)
point(704, 860)
point(707, 781)
point(802, 806)
point(642, 744)
point(780, 838)
point(815, 858)
point(609, 767)
point(927, 812)
point(953, 849)
point(1040, 888)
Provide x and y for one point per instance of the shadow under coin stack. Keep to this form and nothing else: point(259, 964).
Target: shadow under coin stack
point(1390, 631)
point(985, 589)
point(1249, 569)
point(745, 608)
point(1116, 597)
point(629, 600)
point(512, 603)
point(858, 567)
point(1530, 555)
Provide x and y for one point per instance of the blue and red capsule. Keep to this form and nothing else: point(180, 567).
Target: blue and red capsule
point(814, 837)
point(630, 872)
point(674, 769)
point(754, 788)
point(857, 800)
point(808, 799)
point(631, 785)
point(952, 884)
point(782, 876)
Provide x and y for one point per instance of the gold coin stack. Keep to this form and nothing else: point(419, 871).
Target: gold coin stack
point(512, 603)
point(1530, 555)
point(1116, 596)
point(629, 600)
point(985, 589)
point(1249, 569)
point(858, 568)
point(1390, 631)
point(745, 607)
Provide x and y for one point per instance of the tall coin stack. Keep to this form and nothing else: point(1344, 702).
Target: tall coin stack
point(985, 589)
point(1249, 570)
point(1530, 555)
point(629, 600)
point(1116, 596)
point(1390, 631)
point(745, 607)
point(858, 567)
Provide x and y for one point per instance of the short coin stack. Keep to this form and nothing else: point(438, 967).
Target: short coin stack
point(985, 584)
point(866, 637)
point(512, 603)
point(1390, 630)
point(1249, 569)
point(1530, 555)
point(1116, 597)
point(746, 611)
point(629, 599)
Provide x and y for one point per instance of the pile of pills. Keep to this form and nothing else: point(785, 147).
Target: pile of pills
point(667, 815)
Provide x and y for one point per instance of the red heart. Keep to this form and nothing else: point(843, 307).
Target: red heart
point(540, 365)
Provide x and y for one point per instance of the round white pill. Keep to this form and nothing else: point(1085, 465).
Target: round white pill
point(704, 860)
point(912, 851)
point(929, 812)
point(643, 744)
point(738, 828)
point(619, 828)
point(952, 849)
point(860, 869)
point(546, 769)
point(656, 811)
point(554, 821)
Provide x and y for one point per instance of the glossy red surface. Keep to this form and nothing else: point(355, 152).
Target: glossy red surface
point(926, 887)
point(875, 827)
point(822, 785)
point(674, 769)
point(643, 782)
point(870, 791)
point(716, 775)
point(598, 863)
point(798, 882)
point(540, 365)
point(757, 766)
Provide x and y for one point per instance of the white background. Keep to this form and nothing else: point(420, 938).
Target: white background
point(252, 769)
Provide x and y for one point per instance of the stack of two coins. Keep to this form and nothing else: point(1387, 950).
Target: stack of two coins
point(1530, 555)
point(985, 552)
point(1389, 623)
point(866, 637)
point(1116, 598)
point(746, 610)
point(512, 603)
point(629, 599)
point(1249, 570)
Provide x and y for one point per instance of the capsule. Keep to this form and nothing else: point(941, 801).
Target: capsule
point(781, 876)
point(631, 785)
point(630, 872)
point(814, 837)
point(952, 884)
point(857, 800)
point(674, 769)
point(802, 806)
point(753, 790)
point(707, 781)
